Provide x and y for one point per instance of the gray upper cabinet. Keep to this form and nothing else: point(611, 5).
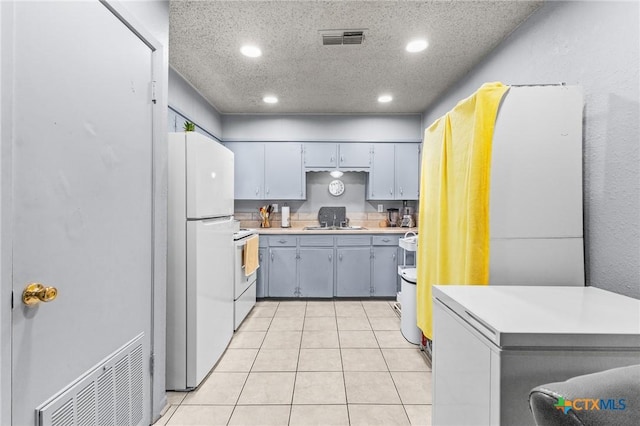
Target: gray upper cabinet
point(283, 174)
point(268, 171)
point(354, 155)
point(395, 173)
point(407, 162)
point(249, 170)
point(382, 175)
point(320, 155)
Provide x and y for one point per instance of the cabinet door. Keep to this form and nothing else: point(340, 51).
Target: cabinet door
point(316, 272)
point(282, 272)
point(284, 175)
point(385, 271)
point(353, 272)
point(249, 170)
point(354, 155)
point(381, 177)
point(407, 163)
point(320, 154)
point(262, 274)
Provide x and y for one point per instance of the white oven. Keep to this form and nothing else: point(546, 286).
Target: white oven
point(244, 287)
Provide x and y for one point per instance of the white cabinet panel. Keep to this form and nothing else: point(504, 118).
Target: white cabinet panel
point(536, 261)
point(536, 166)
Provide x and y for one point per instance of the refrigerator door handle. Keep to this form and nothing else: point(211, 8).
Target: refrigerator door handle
point(217, 221)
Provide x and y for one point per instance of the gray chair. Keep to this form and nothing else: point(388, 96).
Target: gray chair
point(610, 397)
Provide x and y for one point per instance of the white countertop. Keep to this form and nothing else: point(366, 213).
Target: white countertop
point(547, 315)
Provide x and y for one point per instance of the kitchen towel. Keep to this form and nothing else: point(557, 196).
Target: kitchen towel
point(453, 230)
point(250, 255)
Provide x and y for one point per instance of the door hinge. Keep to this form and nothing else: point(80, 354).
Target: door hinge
point(152, 361)
point(11, 299)
point(153, 91)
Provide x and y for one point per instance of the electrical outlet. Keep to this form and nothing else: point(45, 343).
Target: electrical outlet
point(380, 208)
point(275, 208)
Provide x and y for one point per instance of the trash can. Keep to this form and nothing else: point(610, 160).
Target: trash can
point(408, 318)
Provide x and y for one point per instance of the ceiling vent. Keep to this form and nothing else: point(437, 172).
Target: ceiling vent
point(341, 37)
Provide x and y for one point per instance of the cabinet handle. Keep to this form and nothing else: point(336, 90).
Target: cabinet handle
point(330, 258)
point(257, 190)
point(332, 159)
point(400, 190)
point(260, 257)
point(342, 158)
point(267, 191)
point(386, 240)
point(282, 241)
point(390, 191)
point(340, 256)
point(272, 256)
point(394, 256)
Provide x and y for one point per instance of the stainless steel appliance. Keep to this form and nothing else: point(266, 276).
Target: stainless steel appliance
point(244, 287)
point(408, 218)
point(200, 257)
point(393, 216)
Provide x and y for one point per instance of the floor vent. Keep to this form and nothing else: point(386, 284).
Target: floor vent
point(112, 393)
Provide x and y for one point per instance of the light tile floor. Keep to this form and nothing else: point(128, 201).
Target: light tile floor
point(312, 363)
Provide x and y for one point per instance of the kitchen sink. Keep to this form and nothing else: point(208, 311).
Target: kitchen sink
point(331, 228)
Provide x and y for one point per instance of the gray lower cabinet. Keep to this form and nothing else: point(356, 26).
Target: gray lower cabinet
point(283, 272)
point(385, 271)
point(322, 266)
point(262, 274)
point(315, 267)
point(353, 272)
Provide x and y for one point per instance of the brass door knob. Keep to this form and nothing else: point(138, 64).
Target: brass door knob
point(35, 293)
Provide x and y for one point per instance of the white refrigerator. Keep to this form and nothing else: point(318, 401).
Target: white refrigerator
point(200, 257)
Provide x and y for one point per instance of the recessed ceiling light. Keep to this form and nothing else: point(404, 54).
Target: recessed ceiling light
point(416, 46)
point(385, 98)
point(251, 51)
point(270, 99)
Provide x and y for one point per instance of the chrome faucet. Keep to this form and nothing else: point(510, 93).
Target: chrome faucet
point(334, 220)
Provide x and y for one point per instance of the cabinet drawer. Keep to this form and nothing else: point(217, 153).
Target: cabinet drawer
point(354, 240)
point(282, 241)
point(316, 241)
point(385, 240)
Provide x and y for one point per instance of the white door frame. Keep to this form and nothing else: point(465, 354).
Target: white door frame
point(158, 243)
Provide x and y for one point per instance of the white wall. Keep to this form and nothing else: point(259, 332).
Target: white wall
point(594, 45)
point(154, 17)
point(189, 103)
point(337, 128)
point(5, 227)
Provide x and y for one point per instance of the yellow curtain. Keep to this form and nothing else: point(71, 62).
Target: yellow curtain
point(453, 230)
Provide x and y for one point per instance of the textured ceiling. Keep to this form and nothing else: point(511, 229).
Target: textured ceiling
point(206, 36)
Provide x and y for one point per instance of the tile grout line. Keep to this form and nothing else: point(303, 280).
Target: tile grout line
point(295, 376)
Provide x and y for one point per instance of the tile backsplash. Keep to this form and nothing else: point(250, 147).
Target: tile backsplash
point(360, 211)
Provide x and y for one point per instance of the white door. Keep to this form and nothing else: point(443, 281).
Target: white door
point(82, 203)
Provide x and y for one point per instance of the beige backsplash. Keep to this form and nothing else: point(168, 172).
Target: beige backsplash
point(300, 220)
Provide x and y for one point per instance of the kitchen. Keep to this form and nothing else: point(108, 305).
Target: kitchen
point(550, 46)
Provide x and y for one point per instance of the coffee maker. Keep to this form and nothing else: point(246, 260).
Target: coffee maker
point(408, 218)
